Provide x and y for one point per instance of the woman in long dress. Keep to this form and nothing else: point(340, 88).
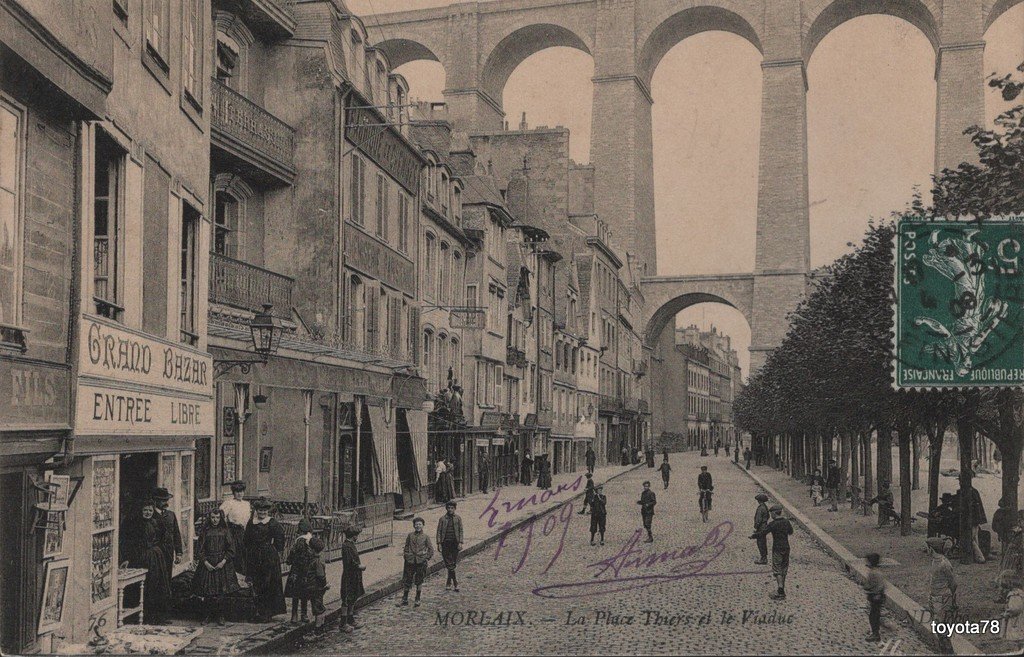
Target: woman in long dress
point(142, 549)
point(264, 542)
point(237, 512)
point(215, 577)
point(526, 477)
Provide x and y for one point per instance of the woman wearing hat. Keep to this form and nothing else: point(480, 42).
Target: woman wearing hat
point(264, 542)
point(237, 512)
point(142, 547)
point(299, 558)
point(215, 576)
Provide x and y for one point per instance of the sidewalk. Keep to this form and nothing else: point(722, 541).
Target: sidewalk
point(850, 536)
point(384, 566)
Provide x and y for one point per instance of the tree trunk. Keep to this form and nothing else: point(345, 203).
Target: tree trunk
point(866, 436)
point(935, 459)
point(854, 469)
point(905, 439)
point(883, 456)
point(965, 438)
point(1011, 475)
point(915, 471)
point(844, 464)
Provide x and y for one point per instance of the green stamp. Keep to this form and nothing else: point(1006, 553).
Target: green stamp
point(959, 312)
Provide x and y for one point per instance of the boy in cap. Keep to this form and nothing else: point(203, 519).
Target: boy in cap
point(315, 582)
point(449, 542)
point(666, 471)
point(647, 501)
point(300, 559)
point(942, 585)
point(780, 528)
point(351, 579)
point(875, 589)
point(761, 518)
point(418, 552)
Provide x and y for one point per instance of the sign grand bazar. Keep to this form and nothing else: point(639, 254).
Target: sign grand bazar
point(133, 384)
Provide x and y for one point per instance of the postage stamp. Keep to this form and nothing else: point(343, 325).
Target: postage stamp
point(958, 310)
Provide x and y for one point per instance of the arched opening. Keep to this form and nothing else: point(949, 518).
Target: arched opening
point(1004, 52)
point(419, 65)
point(870, 119)
point(551, 88)
point(706, 133)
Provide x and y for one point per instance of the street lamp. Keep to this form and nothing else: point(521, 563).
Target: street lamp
point(265, 331)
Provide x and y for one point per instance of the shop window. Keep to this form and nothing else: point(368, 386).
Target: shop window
point(104, 518)
point(12, 126)
point(108, 226)
point(189, 274)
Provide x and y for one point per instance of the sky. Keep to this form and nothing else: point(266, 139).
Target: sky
point(870, 124)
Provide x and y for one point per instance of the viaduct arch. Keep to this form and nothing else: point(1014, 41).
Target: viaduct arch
point(481, 43)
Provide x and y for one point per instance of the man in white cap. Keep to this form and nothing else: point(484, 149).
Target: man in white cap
point(780, 528)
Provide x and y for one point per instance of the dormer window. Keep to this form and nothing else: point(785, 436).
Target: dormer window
point(227, 59)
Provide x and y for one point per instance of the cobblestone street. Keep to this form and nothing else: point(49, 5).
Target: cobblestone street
point(728, 613)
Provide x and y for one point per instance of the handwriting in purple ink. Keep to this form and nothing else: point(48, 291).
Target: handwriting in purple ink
point(618, 571)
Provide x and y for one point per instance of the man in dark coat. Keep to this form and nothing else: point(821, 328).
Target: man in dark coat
point(449, 541)
point(666, 471)
point(761, 518)
point(588, 493)
point(832, 483)
point(625, 455)
point(168, 521)
point(978, 518)
point(485, 472)
point(264, 542)
point(591, 458)
point(598, 514)
point(647, 501)
point(746, 457)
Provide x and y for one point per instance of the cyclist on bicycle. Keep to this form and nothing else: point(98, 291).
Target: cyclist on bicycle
point(705, 487)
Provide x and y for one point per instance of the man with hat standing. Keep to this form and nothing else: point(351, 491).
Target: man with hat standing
point(237, 512)
point(780, 528)
point(761, 518)
point(449, 541)
point(942, 581)
point(168, 521)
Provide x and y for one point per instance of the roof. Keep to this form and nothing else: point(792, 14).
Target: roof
point(481, 189)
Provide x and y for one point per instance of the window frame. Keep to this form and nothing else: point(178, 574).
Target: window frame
point(20, 143)
point(192, 69)
point(156, 57)
point(188, 322)
point(111, 303)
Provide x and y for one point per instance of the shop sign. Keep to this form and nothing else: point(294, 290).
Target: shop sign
point(32, 395)
point(112, 352)
point(386, 148)
point(366, 254)
point(102, 410)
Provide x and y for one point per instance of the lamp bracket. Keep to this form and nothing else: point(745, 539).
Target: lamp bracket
point(222, 367)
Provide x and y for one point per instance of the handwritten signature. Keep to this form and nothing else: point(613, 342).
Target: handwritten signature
point(617, 570)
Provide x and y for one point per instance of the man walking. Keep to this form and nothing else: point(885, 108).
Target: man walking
point(666, 469)
point(588, 494)
point(718, 443)
point(746, 457)
point(449, 541)
point(647, 501)
point(485, 471)
point(417, 552)
point(704, 490)
point(780, 528)
point(591, 458)
point(832, 483)
point(761, 518)
point(598, 514)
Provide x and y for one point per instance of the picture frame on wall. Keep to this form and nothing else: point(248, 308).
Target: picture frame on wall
point(228, 463)
point(266, 455)
point(55, 588)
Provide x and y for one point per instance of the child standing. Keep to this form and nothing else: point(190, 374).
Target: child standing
point(351, 579)
point(418, 552)
point(215, 577)
point(875, 588)
point(314, 582)
point(299, 558)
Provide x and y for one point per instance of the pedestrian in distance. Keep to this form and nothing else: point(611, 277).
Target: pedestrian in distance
point(942, 582)
point(886, 503)
point(832, 483)
point(705, 487)
point(746, 457)
point(727, 448)
point(875, 589)
point(647, 501)
point(780, 528)
point(625, 455)
point(666, 471)
point(718, 444)
point(417, 552)
point(314, 583)
point(264, 542)
point(215, 577)
point(526, 470)
point(598, 514)
point(591, 458)
point(449, 542)
point(588, 494)
point(649, 454)
point(978, 518)
point(761, 518)
point(485, 472)
point(299, 559)
point(351, 579)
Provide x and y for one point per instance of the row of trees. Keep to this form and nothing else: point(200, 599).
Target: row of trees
point(826, 390)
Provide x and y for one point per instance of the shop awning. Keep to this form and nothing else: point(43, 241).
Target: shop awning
point(385, 461)
point(418, 433)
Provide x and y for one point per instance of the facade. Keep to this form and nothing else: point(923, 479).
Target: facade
point(698, 405)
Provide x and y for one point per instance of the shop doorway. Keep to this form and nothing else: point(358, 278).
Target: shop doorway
point(138, 481)
point(411, 493)
point(365, 457)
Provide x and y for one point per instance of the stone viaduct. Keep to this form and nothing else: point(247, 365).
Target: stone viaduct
point(480, 44)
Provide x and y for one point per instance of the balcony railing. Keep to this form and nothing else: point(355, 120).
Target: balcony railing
point(610, 403)
point(515, 357)
point(242, 285)
point(248, 131)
